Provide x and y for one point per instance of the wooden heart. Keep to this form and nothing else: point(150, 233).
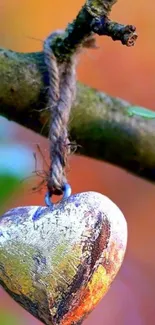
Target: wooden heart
point(59, 262)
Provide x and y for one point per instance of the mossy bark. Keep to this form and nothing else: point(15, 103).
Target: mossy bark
point(99, 123)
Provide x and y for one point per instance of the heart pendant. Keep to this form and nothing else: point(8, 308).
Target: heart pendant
point(59, 262)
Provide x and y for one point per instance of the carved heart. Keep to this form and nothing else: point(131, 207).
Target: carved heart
point(59, 262)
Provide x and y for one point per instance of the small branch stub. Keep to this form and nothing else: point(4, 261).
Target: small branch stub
point(124, 33)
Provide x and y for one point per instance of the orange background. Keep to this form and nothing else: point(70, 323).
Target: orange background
point(125, 72)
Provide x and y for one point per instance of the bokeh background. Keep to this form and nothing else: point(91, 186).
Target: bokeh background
point(125, 72)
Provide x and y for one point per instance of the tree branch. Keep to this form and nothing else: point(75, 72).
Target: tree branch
point(107, 128)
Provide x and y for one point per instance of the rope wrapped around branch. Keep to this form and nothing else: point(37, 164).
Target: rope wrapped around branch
point(62, 76)
point(62, 90)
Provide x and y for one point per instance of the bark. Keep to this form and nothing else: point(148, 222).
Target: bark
point(105, 127)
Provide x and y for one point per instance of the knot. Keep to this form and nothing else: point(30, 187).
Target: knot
point(62, 90)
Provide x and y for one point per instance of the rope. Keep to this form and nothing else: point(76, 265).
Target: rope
point(62, 89)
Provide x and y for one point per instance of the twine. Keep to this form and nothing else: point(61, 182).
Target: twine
point(62, 89)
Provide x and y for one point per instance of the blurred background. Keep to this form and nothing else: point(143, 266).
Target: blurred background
point(120, 71)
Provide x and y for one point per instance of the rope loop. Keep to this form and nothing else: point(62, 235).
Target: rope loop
point(61, 94)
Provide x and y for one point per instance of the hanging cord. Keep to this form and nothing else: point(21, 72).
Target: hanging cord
point(62, 89)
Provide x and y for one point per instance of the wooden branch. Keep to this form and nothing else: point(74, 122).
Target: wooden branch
point(105, 127)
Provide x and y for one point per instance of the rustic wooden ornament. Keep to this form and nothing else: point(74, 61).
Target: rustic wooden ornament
point(59, 261)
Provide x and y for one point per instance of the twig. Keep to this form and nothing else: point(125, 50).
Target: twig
point(92, 18)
